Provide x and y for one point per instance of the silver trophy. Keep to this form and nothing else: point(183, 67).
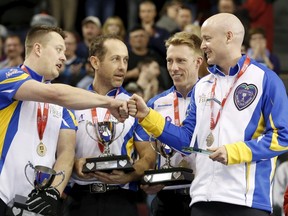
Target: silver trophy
point(42, 179)
point(168, 174)
point(106, 162)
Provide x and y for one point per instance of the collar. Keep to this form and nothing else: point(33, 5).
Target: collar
point(33, 74)
point(233, 70)
point(111, 93)
point(179, 95)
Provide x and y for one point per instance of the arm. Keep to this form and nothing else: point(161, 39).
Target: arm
point(152, 121)
point(69, 97)
point(65, 157)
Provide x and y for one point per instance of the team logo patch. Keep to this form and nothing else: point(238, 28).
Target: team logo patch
point(244, 95)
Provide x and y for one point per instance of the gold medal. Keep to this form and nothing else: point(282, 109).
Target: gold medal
point(184, 163)
point(41, 149)
point(210, 139)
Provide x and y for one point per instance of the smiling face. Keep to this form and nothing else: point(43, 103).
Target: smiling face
point(213, 44)
point(182, 65)
point(110, 72)
point(222, 37)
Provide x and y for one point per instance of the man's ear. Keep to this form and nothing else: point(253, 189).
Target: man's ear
point(95, 62)
point(37, 48)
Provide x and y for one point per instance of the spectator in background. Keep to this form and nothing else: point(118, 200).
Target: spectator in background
point(13, 50)
point(3, 35)
point(138, 41)
point(134, 88)
point(261, 15)
point(148, 78)
point(192, 28)
point(86, 81)
point(168, 16)
point(43, 19)
point(74, 69)
point(184, 17)
point(91, 27)
point(114, 25)
point(100, 8)
point(64, 12)
point(157, 35)
point(259, 51)
point(231, 6)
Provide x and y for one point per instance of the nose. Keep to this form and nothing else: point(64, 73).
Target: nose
point(174, 66)
point(63, 57)
point(122, 64)
point(203, 45)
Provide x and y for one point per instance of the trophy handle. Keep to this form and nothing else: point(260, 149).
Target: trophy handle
point(86, 127)
point(25, 171)
point(121, 131)
point(63, 177)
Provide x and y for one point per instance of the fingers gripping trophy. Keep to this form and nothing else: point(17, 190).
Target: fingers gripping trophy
point(105, 135)
point(43, 199)
point(168, 174)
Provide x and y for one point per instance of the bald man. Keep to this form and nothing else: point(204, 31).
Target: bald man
point(238, 112)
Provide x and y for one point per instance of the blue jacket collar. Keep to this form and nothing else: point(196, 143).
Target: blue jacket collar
point(33, 74)
point(233, 70)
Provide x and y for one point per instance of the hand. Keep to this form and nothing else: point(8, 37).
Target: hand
point(137, 107)
point(78, 167)
point(115, 177)
point(119, 110)
point(152, 189)
point(219, 154)
point(44, 202)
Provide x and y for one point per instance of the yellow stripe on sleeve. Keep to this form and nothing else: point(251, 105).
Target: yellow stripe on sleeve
point(14, 79)
point(154, 122)
point(274, 142)
point(238, 153)
point(73, 117)
point(130, 147)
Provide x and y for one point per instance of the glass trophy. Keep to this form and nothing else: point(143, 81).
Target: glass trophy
point(42, 179)
point(168, 174)
point(106, 133)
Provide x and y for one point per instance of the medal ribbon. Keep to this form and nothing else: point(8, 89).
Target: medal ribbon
point(213, 122)
point(176, 110)
point(41, 119)
point(106, 118)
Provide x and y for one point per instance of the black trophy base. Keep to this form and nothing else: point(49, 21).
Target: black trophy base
point(169, 176)
point(107, 164)
point(19, 208)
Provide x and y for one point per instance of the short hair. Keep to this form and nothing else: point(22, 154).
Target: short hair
point(97, 47)
point(137, 28)
point(38, 33)
point(256, 30)
point(145, 61)
point(185, 38)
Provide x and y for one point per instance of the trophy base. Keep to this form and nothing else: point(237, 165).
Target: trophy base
point(170, 176)
point(108, 164)
point(19, 208)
